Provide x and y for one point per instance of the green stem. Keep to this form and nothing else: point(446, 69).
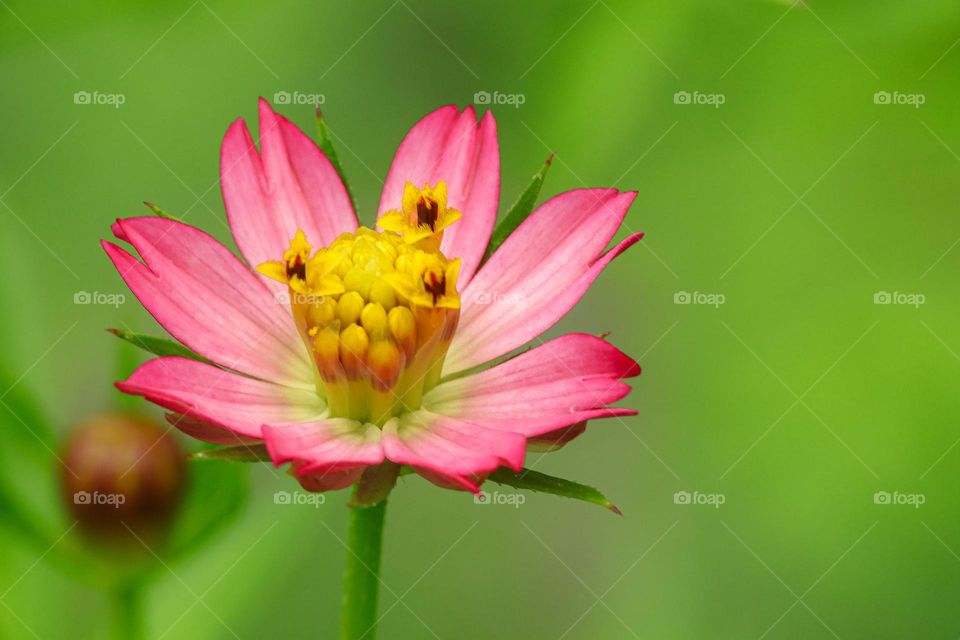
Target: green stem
point(361, 575)
point(128, 612)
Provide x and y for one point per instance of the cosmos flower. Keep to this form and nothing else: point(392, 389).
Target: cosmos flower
point(342, 348)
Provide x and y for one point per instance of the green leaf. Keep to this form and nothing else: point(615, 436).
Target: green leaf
point(536, 481)
point(157, 346)
point(239, 453)
point(325, 142)
point(214, 496)
point(160, 212)
point(29, 465)
point(519, 211)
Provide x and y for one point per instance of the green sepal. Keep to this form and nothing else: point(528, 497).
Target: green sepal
point(375, 484)
point(536, 481)
point(157, 346)
point(519, 211)
point(325, 142)
point(160, 212)
point(238, 453)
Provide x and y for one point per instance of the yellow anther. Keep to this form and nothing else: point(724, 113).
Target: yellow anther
point(353, 350)
point(382, 293)
point(373, 318)
point(424, 214)
point(403, 328)
point(349, 307)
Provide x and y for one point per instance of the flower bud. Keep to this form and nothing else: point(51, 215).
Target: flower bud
point(353, 350)
point(349, 307)
point(384, 361)
point(374, 320)
point(403, 328)
point(326, 351)
point(122, 471)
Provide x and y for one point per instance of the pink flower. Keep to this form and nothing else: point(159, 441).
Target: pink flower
point(366, 350)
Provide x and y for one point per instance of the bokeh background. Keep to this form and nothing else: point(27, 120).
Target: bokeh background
point(784, 191)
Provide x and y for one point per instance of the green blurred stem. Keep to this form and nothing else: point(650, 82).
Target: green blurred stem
point(128, 612)
point(361, 575)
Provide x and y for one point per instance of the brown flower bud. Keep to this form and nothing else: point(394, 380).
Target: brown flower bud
point(122, 473)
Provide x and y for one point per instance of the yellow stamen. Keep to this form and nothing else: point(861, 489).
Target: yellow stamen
point(423, 215)
point(427, 280)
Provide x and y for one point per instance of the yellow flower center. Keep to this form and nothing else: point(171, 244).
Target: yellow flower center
point(377, 309)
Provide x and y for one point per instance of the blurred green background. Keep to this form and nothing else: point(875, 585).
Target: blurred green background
point(794, 202)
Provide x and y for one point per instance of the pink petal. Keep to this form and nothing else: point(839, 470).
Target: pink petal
point(451, 146)
point(328, 480)
point(290, 186)
point(556, 439)
point(561, 382)
point(538, 274)
point(207, 431)
point(321, 447)
point(208, 300)
point(454, 450)
point(208, 394)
